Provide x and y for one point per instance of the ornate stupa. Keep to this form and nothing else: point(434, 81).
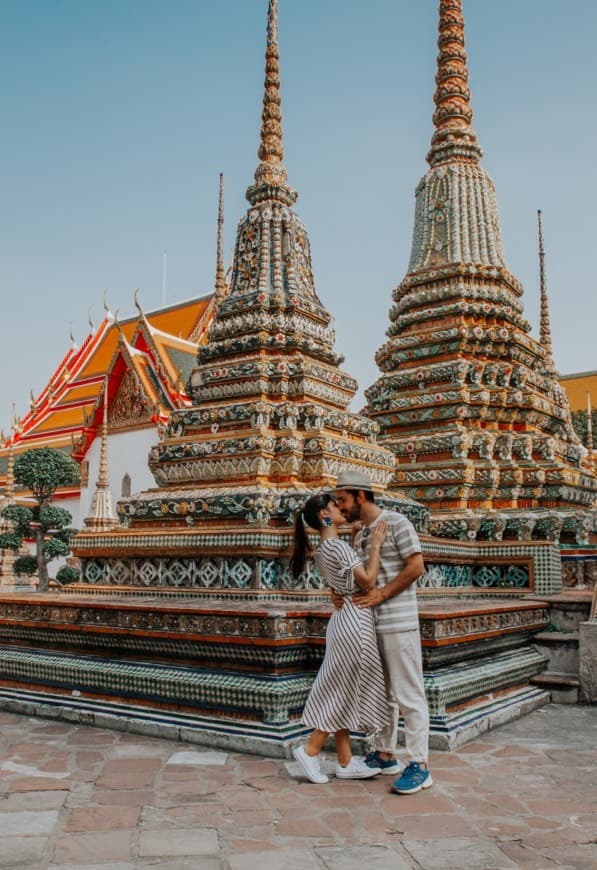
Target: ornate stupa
point(468, 400)
point(7, 557)
point(9, 581)
point(101, 514)
point(270, 419)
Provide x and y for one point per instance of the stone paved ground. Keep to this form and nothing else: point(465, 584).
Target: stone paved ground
point(77, 797)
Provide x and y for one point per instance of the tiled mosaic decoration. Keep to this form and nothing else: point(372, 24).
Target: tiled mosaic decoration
point(493, 566)
point(446, 686)
point(267, 698)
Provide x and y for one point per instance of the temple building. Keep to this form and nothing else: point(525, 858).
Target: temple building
point(468, 400)
point(146, 360)
point(123, 382)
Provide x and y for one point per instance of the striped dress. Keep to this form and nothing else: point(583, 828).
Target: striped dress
point(349, 690)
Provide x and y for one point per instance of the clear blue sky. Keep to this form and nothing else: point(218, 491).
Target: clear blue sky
point(117, 117)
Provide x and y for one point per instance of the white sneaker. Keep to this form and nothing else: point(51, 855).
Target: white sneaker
point(356, 769)
point(309, 765)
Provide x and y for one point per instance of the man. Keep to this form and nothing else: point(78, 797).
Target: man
point(395, 602)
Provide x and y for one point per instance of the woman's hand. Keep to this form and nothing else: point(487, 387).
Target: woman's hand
point(354, 528)
point(379, 533)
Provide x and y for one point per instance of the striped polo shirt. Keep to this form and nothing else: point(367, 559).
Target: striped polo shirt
point(399, 613)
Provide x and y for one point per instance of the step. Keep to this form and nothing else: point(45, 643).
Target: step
point(561, 649)
point(568, 609)
point(564, 687)
point(263, 697)
point(557, 637)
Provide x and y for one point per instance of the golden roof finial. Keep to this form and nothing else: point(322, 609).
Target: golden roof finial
point(220, 285)
point(109, 314)
point(270, 175)
point(137, 303)
point(454, 136)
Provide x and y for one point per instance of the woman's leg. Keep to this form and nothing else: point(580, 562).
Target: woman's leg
point(343, 750)
point(315, 743)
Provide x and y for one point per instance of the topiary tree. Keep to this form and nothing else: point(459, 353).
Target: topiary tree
point(67, 574)
point(41, 471)
point(25, 565)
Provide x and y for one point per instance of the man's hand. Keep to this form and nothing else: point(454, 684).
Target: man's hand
point(369, 599)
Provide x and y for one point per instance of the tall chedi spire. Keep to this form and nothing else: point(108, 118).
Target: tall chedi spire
point(270, 175)
point(220, 282)
point(468, 400)
point(590, 429)
point(544, 324)
point(457, 218)
point(270, 420)
point(454, 135)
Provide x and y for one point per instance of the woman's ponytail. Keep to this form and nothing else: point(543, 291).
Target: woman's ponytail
point(302, 545)
point(308, 516)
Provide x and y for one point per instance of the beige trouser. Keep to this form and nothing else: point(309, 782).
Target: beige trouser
point(403, 665)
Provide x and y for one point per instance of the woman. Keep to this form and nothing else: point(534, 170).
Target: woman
point(349, 692)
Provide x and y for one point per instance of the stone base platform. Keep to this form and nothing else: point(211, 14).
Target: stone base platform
point(235, 672)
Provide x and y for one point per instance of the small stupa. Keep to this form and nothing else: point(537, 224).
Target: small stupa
point(101, 513)
point(468, 400)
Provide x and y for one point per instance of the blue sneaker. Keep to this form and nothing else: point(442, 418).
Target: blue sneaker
point(386, 765)
point(413, 778)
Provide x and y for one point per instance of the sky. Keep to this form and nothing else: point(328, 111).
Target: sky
point(118, 116)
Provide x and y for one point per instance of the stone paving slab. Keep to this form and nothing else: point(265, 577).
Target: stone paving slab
point(458, 854)
point(81, 798)
point(28, 823)
point(167, 842)
point(23, 852)
point(360, 857)
point(119, 866)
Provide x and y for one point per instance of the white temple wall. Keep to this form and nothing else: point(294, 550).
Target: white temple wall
point(72, 506)
point(127, 455)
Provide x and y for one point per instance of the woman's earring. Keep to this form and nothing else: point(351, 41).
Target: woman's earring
point(327, 521)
